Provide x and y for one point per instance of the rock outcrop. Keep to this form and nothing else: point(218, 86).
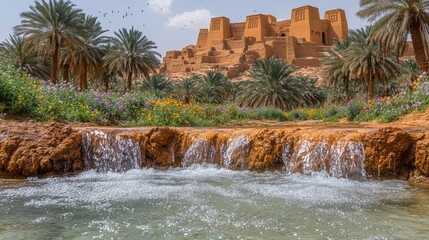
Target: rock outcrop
point(387, 152)
point(33, 149)
point(422, 158)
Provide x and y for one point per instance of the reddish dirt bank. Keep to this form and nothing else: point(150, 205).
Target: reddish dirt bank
point(35, 149)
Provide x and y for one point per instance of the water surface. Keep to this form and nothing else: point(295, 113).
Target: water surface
point(211, 203)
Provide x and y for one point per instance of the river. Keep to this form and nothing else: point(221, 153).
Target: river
point(208, 202)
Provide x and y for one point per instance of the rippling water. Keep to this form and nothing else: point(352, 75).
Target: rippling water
point(211, 203)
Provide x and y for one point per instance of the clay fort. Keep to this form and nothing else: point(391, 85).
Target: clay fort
point(233, 47)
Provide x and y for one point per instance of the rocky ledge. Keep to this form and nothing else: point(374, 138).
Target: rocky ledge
point(30, 149)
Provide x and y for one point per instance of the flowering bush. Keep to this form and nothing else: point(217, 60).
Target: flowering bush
point(391, 108)
point(331, 113)
point(171, 112)
point(23, 95)
point(40, 99)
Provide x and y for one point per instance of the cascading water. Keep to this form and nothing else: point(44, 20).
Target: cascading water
point(104, 153)
point(236, 153)
point(209, 202)
point(232, 154)
point(340, 159)
point(200, 152)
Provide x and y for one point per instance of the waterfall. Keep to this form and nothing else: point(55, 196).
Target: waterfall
point(104, 153)
point(113, 151)
point(200, 152)
point(236, 153)
point(232, 155)
point(339, 159)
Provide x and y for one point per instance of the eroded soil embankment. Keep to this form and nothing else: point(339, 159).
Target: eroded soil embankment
point(35, 149)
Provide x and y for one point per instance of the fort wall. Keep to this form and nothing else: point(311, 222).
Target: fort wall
point(300, 40)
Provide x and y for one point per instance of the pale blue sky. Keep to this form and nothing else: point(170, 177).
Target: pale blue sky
point(162, 20)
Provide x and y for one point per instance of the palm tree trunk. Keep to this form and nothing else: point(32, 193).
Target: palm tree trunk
point(370, 88)
point(66, 73)
point(129, 80)
point(55, 60)
point(106, 82)
point(419, 48)
point(347, 90)
point(85, 77)
point(83, 81)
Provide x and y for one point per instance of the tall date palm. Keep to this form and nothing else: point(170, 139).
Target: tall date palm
point(366, 64)
point(336, 73)
point(272, 86)
point(214, 87)
point(132, 55)
point(51, 25)
point(23, 55)
point(87, 57)
point(395, 20)
point(187, 89)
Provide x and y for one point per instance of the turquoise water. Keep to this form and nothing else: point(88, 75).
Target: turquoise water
point(211, 203)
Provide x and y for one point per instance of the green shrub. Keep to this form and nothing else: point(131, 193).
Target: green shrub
point(296, 115)
point(354, 109)
point(270, 113)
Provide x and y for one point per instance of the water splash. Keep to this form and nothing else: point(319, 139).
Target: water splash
point(233, 154)
point(200, 152)
point(236, 153)
point(340, 159)
point(105, 153)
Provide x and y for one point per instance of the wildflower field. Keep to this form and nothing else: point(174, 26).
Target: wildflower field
point(28, 97)
point(25, 96)
point(386, 109)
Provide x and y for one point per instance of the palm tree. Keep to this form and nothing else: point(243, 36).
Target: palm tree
point(336, 73)
point(365, 63)
point(187, 89)
point(158, 85)
point(387, 88)
point(51, 26)
point(132, 55)
point(214, 88)
point(23, 55)
point(272, 86)
point(395, 20)
point(410, 72)
point(312, 94)
point(86, 57)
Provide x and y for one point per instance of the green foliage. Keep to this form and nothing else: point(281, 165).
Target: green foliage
point(365, 62)
point(214, 88)
point(51, 25)
point(158, 86)
point(337, 74)
point(2, 111)
point(132, 55)
point(296, 115)
point(38, 99)
point(395, 20)
point(23, 54)
point(187, 90)
point(354, 109)
point(87, 56)
point(391, 108)
point(273, 86)
point(270, 113)
point(329, 113)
